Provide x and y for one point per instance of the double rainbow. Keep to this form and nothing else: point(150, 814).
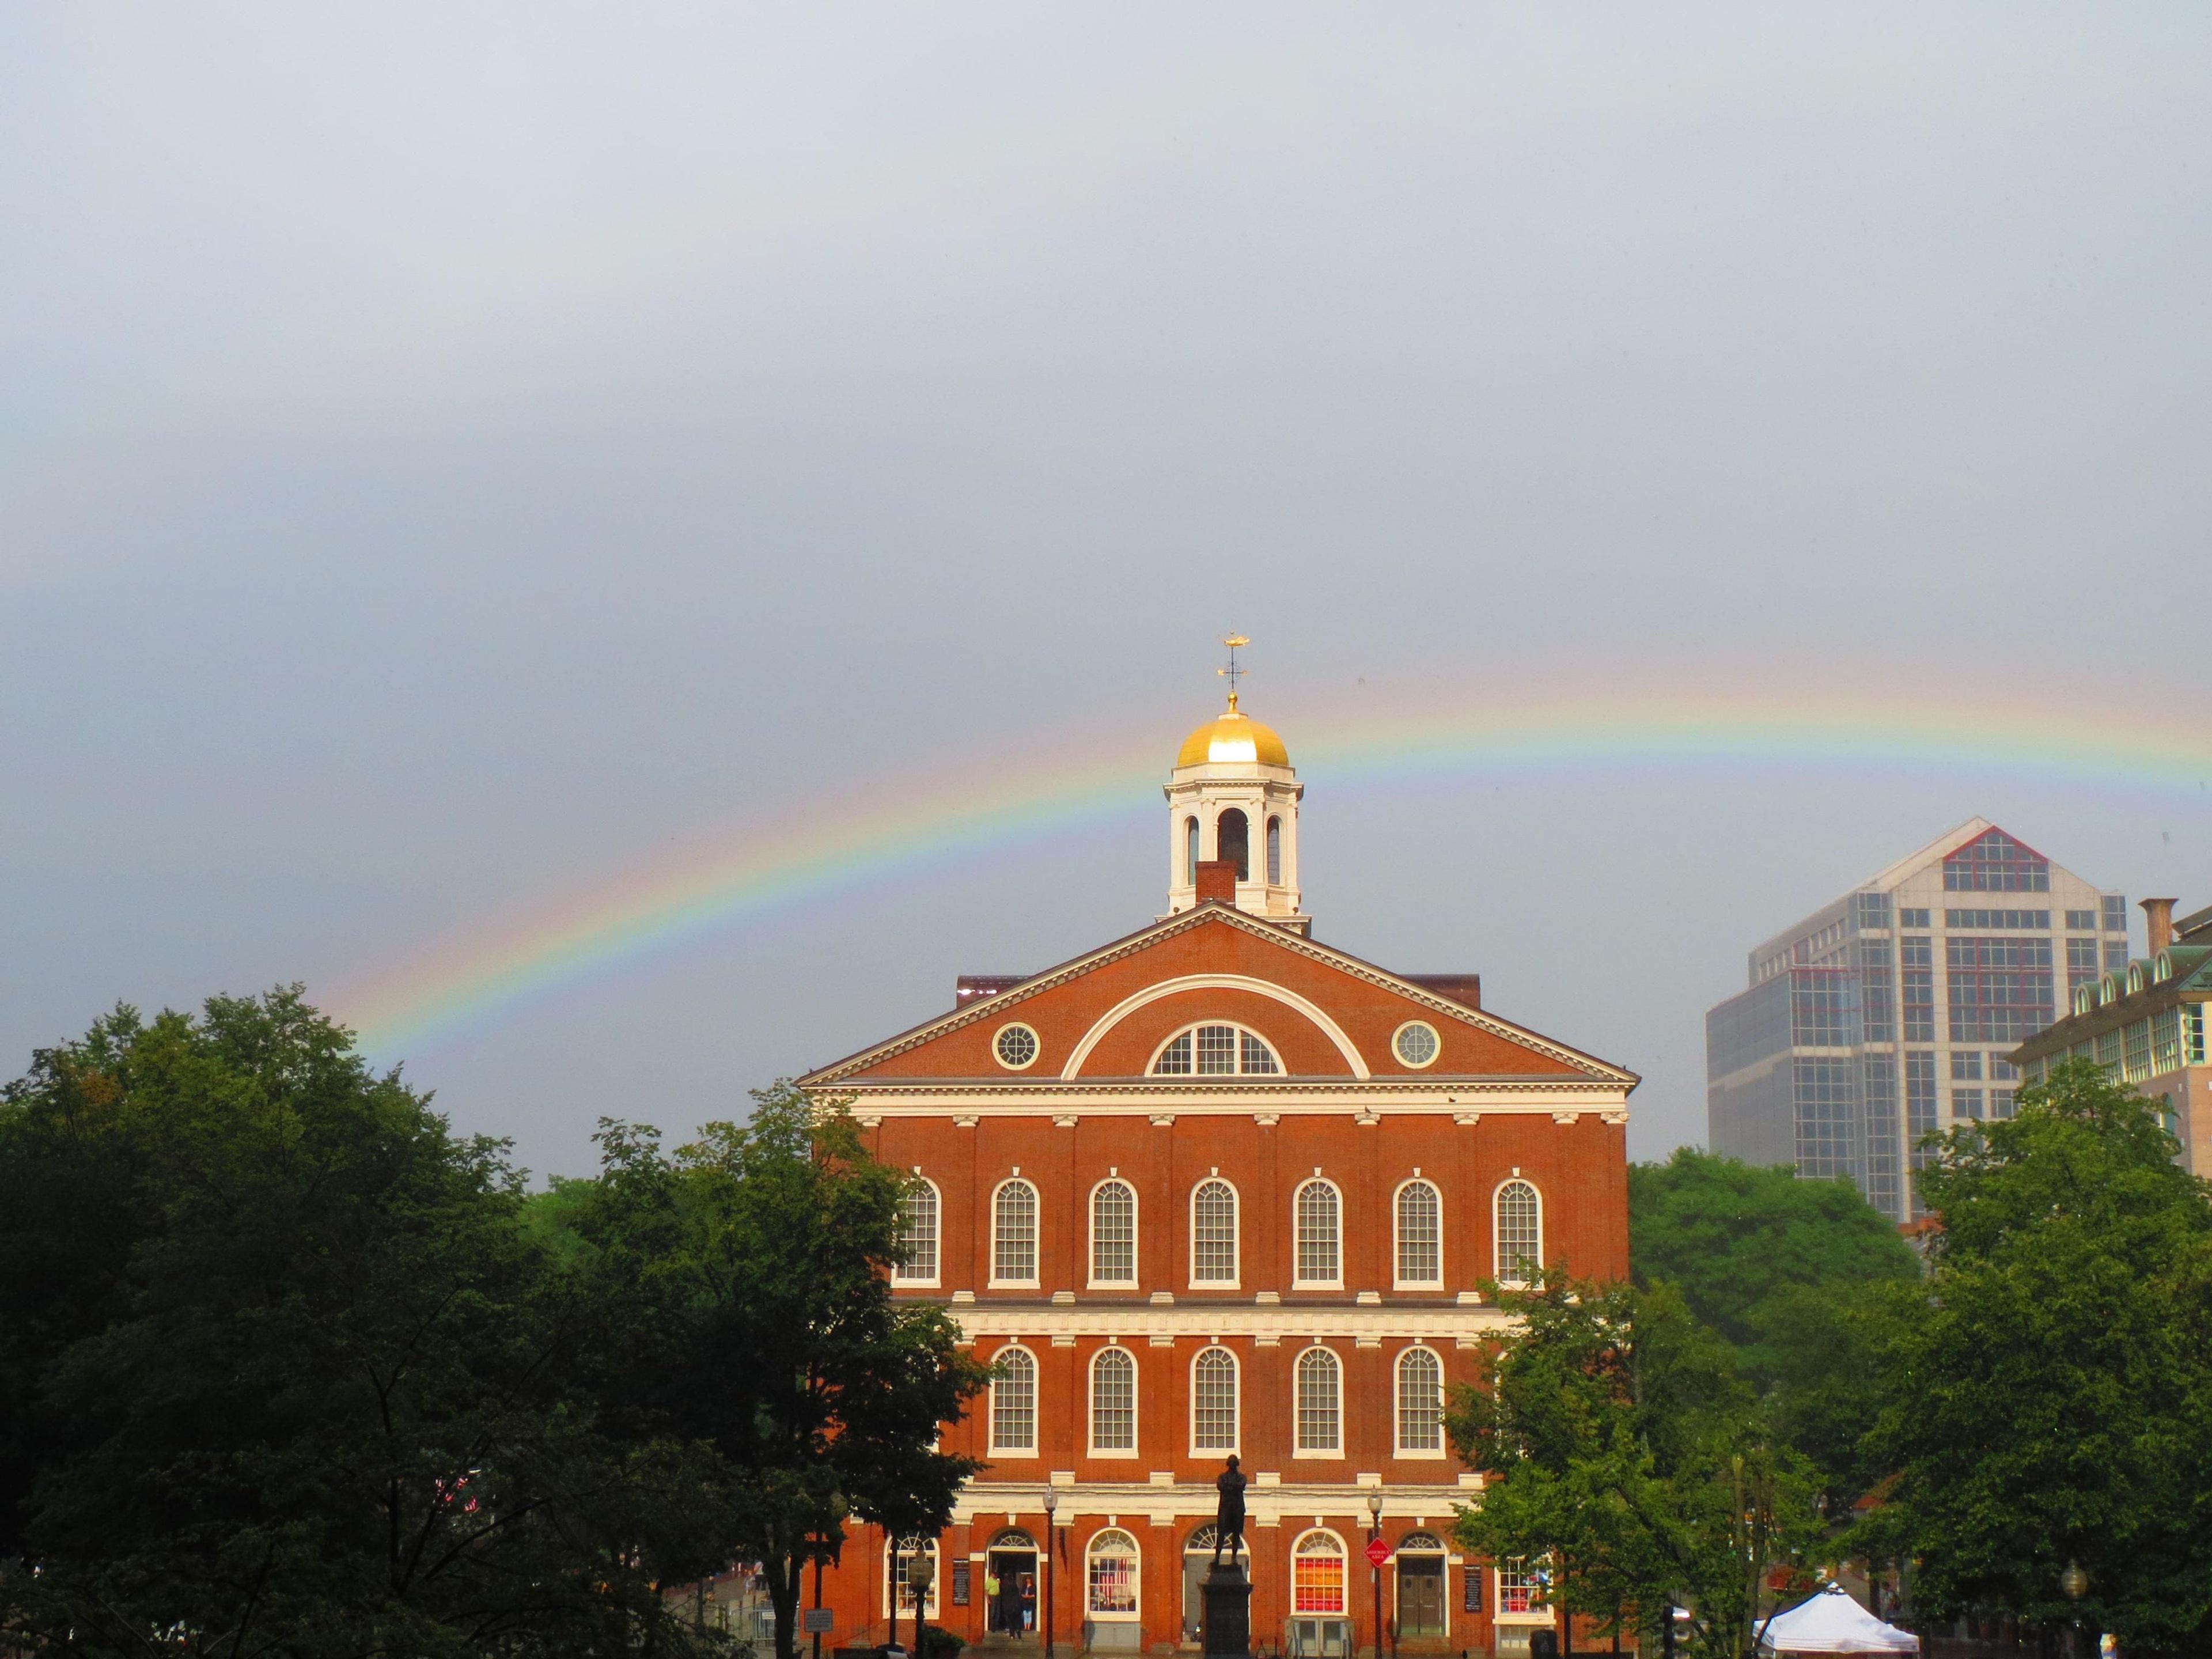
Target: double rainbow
point(955, 807)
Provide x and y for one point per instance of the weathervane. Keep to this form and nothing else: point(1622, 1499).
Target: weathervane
point(1233, 673)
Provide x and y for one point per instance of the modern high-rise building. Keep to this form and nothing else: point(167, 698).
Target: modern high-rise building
point(1891, 1010)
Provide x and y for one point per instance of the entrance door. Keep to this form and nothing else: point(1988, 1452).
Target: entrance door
point(1012, 1611)
point(1420, 1595)
point(1198, 1556)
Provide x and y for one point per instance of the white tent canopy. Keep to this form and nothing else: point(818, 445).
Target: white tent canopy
point(1832, 1622)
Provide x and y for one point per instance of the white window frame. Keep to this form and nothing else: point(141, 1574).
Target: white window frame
point(896, 1603)
point(1235, 1401)
point(1136, 1260)
point(1399, 1448)
point(1497, 1261)
point(1398, 1280)
point(1235, 1281)
point(1243, 1031)
point(1136, 1552)
point(1344, 1559)
point(1037, 1402)
point(1299, 1450)
point(1435, 1038)
point(1136, 1398)
point(1037, 1234)
point(1298, 1281)
point(902, 1275)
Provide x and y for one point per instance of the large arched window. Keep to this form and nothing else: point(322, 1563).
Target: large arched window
point(1274, 852)
point(899, 1574)
point(1110, 1580)
point(1213, 1401)
point(1216, 1051)
point(1013, 1403)
point(1420, 1403)
point(1014, 1234)
point(1320, 1404)
point(1113, 1403)
point(1232, 840)
point(1190, 851)
point(1420, 1235)
point(917, 1235)
point(1113, 1233)
point(1317, 1212)
point(1520, 1233)
point(1317, 1573)
point(1213, 1233)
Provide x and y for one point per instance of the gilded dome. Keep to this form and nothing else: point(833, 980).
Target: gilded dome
point(1231, 739)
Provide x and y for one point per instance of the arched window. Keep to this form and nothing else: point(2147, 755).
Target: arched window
point(898, 1574)
point(1213, 1401)
point(1190, 851)
point(1232, 839)
point(1213, 1233)
point(1317, 1573)
point(1110, 1582)
point(1113, 1233)
point(1013, 1403)
point(1113, 1402)
point(1420, 1235)
point(1216, 1051)
point(1321, 1256)
point(1520, 1233)
point(1320, 1403)
point(917, 1235)
point(1014, 1234)
point(1420, 1401)
point(1274, 852)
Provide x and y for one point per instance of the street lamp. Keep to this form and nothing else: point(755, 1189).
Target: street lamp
point(1374, 1533)
point(2074, 1584)
point(1051, 1504)
point(921, 1573)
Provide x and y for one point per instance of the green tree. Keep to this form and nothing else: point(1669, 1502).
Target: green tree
point(1791, 1273)
point(2049, 1388)
point(761, 1330)
point(1621, 1449)
point(306, 1391)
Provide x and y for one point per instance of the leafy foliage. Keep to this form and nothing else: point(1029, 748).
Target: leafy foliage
point(2050, 1388)
point(1621, 1448)
point(1790, 1273)
point(283, 1372)
point(759, 1331)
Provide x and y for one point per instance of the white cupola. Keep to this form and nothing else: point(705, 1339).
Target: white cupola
point(1233, 797)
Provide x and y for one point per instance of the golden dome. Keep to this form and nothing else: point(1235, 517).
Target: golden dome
point(1231, 739)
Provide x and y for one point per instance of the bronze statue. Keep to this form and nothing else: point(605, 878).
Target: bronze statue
point(1228, 1519)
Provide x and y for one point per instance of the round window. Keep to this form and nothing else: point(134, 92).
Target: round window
point(1016, 1046)
point(1415, 1043)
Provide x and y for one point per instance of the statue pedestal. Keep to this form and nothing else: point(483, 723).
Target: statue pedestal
point(1227, 1595)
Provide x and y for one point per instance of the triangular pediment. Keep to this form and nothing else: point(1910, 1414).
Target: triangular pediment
point(1104, 1015)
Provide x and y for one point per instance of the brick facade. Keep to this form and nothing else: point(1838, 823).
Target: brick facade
point(1079, 1101)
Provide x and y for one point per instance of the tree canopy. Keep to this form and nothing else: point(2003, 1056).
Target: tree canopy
point(2048, 1391)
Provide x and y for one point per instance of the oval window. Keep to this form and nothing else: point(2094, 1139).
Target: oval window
point(1016, 1046)
point(1415, 1043)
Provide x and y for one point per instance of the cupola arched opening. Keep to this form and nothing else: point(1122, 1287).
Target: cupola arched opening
point(1232, 841)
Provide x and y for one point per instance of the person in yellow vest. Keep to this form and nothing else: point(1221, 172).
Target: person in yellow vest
point(991, 1597)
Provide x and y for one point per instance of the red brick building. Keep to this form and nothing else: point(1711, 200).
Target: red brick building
point(1216, 1186)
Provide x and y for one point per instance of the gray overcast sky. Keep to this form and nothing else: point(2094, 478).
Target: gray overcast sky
point(450, 455)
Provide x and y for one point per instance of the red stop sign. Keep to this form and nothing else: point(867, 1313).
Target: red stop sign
point(1377, 1552)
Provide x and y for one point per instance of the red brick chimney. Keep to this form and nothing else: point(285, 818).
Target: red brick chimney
point(1217, 880)
point(2160, 915)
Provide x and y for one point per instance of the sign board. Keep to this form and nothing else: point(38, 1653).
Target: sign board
point(820, 1621)
point(1472, 1592)
point(960, 1582)
point(1377, 1552)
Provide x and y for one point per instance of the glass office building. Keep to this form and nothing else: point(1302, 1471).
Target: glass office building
point(1889, 1012)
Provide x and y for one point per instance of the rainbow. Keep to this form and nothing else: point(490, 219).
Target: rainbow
point(956, 807)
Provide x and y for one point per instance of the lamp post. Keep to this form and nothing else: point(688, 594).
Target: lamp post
point(921, 1573)
point(2074, 1584)
point(1374, 1533)
point(1051, 1504)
